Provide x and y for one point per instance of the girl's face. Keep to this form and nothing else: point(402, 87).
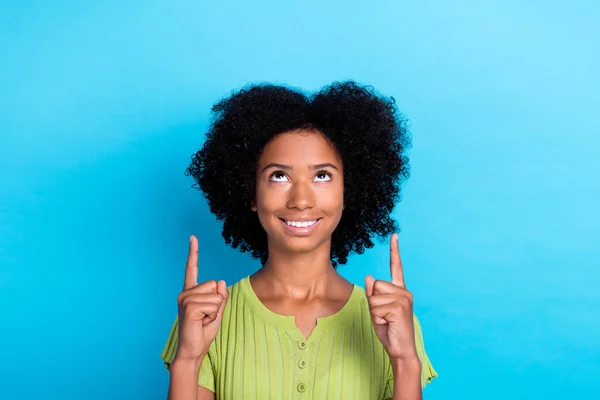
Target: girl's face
point(299, 191)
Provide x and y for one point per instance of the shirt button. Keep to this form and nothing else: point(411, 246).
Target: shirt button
point(302, 344)
point(301, 387)
point(302, 363)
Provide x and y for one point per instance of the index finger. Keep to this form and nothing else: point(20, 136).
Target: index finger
point(396, 263)
point(191, 267)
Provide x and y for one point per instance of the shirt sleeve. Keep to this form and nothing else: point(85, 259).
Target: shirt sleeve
point(206, 376)
point(427, 370)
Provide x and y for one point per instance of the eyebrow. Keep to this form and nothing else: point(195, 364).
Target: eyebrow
point(288, 168)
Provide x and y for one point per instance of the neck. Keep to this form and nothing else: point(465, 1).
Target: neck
point(299, 274)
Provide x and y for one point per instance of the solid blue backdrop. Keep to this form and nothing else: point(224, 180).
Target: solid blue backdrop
point(103, 103)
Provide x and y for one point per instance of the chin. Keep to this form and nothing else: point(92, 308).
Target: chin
point(300, 244)
point(300, 250)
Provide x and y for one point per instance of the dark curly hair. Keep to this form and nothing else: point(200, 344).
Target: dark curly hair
point(366, 129)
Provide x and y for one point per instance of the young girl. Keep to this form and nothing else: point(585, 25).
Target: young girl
point(300, 182)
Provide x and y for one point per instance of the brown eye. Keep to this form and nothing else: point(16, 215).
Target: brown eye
point(278, 176)
point(323, 176)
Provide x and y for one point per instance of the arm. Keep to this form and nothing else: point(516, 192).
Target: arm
point(200, 311)
point(394, 322)
point(407, 380)
point(183, 384)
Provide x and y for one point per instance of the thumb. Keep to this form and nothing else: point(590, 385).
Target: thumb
point(369, 282)
point(222, 290)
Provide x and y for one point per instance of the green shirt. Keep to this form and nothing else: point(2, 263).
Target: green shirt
point(261, 355)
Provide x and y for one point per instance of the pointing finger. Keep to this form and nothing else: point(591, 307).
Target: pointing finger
point(191, 267)
point(396, 263)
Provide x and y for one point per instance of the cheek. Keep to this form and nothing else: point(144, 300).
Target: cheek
point(264, 211)
point(332, 199)
point(334, 206)
point(265, 199)
point(267, 204)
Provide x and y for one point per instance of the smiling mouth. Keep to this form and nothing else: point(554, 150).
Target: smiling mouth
point(300, 224)
point(300, 228)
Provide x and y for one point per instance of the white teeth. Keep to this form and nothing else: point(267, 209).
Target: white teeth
point(299, 224)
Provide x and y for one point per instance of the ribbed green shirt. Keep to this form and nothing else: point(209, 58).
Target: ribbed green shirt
point(261, 355)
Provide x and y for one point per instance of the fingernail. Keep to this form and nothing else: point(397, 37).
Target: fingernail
point(190, 239)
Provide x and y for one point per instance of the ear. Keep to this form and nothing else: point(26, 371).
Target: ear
point(253, 206)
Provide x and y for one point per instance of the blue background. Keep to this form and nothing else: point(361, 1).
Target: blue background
point(103, 103)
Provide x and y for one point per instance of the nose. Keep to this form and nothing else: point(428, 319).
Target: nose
point(301, 196)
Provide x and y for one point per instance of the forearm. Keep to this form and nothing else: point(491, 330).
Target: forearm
point(183, 383)
point(407, 380)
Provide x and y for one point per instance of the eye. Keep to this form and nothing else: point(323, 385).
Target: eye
point(278, 176)
point(322, 176)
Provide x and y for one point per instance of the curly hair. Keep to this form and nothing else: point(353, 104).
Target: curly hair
point(366, 129)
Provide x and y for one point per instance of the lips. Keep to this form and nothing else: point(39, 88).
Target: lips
point(300, 227)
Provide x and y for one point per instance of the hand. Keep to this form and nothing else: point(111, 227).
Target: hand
point(391, 307)
point(200, 310)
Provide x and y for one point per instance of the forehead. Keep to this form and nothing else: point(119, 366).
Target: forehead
point(300, 147)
